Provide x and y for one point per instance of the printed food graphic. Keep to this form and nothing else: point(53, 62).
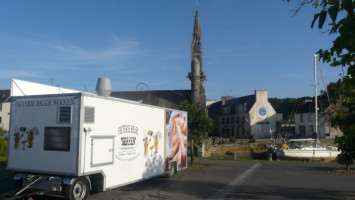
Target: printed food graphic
point(156, 142)
point(154, 147)
point(28, 140)
point(146, 144)
point(17, 140)
point(176, 137)
point(30, 136)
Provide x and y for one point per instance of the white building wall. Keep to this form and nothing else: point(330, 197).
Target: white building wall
point(4, 114)
point(262, 116)
point(305, 126)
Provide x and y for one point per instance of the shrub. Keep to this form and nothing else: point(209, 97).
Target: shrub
point(345, 159)
point(232, 139)
point(252, 140)
point(3, 146)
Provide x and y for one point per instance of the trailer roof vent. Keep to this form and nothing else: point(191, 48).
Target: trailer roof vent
point(103, 87)
point(89, 114)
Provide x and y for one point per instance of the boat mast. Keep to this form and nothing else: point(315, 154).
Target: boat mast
point(315, 92)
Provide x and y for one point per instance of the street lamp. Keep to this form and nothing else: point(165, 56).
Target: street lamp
point(143, 87)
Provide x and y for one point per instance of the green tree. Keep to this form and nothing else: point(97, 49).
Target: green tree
point(342, 54)
point(3, 143)
point(199, 124)
point(286, 106)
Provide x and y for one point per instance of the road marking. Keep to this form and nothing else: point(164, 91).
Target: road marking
point(220, 194)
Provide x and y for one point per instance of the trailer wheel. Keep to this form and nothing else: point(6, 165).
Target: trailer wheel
point(79, 190)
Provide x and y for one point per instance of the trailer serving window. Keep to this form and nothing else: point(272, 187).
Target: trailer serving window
point(57, 138)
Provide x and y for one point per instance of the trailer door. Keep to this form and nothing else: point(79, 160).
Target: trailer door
point(102, 150)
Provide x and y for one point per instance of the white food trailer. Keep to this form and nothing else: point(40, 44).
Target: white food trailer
point(77, 142)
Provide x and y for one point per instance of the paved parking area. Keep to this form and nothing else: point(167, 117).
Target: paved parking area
point(220, 179)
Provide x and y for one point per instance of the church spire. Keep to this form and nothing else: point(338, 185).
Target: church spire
point(197, 29)
point(197, 76)
point(196, 44)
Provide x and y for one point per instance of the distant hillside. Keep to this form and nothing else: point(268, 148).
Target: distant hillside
point(289, 106)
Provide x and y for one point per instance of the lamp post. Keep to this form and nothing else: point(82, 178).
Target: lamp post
point(143, 87)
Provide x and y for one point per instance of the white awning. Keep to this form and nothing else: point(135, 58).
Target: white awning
point(24, 88)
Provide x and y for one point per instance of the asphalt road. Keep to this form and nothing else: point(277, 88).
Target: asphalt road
point(218, 179)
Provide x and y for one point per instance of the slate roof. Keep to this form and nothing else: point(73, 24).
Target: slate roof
point(216, 108)
point(4, 95)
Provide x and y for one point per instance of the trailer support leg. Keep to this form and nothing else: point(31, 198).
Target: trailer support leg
point(29, 185)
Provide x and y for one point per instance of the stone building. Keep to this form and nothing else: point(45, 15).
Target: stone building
point(305, 122)
point(244, 117)
point(4, 109)
point(163, 98)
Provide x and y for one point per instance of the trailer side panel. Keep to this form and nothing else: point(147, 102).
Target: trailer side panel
point(134, 135)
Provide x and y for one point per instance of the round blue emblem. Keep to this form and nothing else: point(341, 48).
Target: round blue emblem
point(262, 111)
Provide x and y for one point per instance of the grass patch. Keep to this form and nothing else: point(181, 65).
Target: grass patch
point(3, 161)
point(340, 171)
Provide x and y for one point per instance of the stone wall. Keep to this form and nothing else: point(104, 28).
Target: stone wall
point(242, 151)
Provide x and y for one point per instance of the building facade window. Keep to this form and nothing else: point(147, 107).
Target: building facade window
point(227, 120)
point(232, 120)
point(310, 130)
point(228, 132)
point(301, 118)
point(238, 120)
point(223, 120)
point(302, 130)
point(310, 117)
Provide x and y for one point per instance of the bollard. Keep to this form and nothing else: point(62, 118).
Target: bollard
point(269, 156)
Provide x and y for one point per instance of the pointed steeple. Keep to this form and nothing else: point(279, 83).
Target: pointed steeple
point(197, 76)
point(197, 29)
point(196, 44)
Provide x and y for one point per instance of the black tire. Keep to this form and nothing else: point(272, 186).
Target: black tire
point(79, 190)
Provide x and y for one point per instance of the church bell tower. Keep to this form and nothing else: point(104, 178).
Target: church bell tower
point(197, 76)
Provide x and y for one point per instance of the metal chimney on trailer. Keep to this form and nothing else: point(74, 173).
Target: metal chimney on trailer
point(103, 87)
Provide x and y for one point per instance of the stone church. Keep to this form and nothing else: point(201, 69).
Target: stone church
point(172, 98)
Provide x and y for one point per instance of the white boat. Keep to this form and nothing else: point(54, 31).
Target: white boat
point(307, 149)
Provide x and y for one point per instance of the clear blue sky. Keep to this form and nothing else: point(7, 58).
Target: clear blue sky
point(247, 45)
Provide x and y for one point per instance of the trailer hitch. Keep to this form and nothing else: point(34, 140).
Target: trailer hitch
point(32, 179)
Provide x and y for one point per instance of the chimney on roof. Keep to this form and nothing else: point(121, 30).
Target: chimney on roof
point(224, 100)
point(261, 96)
